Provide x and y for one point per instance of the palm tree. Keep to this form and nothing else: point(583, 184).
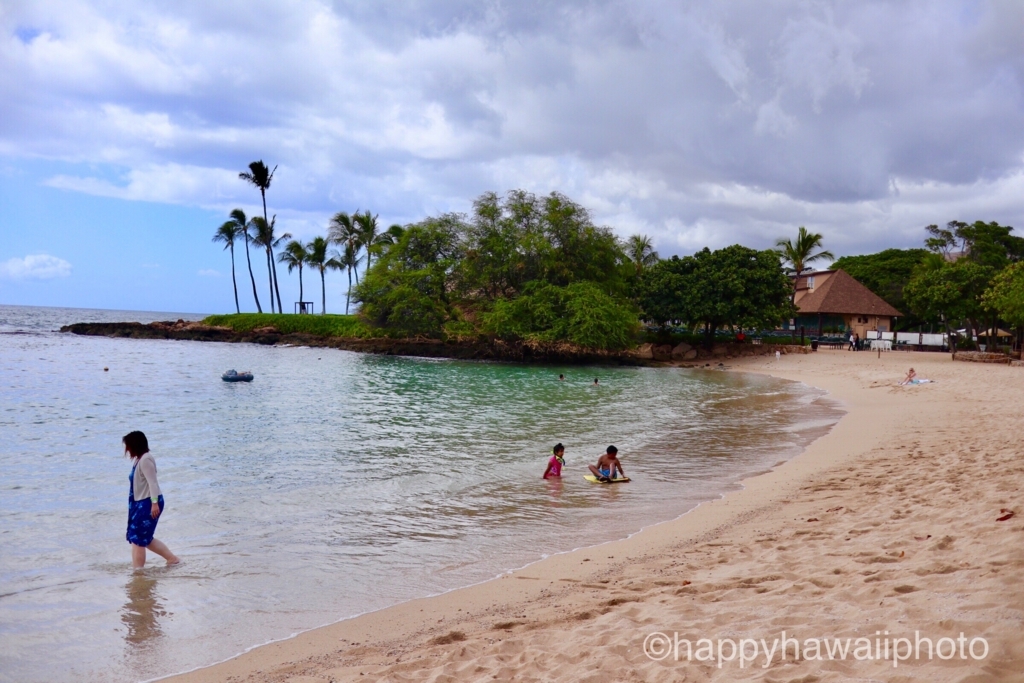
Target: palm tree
point(344, 231)
point(368, 235)
point(260, 176)
point(800, 254)
point(390, 237)
point(641, 252)
point(316, 257)
point(240, 225)
point(349, 259)
point(227, 233)
point(263, 235)
point(294, 256)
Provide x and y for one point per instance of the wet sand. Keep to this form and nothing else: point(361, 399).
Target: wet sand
point(884, 527)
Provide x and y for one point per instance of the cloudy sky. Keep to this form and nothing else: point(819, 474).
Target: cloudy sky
point(123, 125)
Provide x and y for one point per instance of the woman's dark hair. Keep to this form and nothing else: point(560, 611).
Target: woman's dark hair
point(136, 443)
point(558, 447)
point(612, 450)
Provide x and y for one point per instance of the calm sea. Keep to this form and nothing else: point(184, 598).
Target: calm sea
point(334, 484)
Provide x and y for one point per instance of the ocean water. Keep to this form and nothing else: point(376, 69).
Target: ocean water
point(334, 484)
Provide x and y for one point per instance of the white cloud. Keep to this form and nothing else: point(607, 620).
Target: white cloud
point(209, 272)
point(710, 122)
point(35, 267)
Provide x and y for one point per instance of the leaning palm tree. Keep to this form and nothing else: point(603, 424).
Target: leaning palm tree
point(263, 235)
point(349, 259)
point(640, 250)
point(317, 258)
point(260, 177)
point(227, 233)
point(294, 256)
point(240, 226)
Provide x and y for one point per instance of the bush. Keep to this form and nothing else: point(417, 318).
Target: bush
point(580, 313)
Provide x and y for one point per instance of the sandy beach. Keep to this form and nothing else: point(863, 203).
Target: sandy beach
point(884, 529)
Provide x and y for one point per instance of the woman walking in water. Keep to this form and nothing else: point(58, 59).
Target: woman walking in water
point(145, 502)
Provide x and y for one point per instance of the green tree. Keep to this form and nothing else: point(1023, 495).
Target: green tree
point(260, 177)
point(504, 244)
point(989, 247)
point(1006, 298)
point(294, 256)
point(736, 286)
point(661, 291)
point(240, 225)
point(262, 234)
point(580, 313)
point(713, 289)
point(580, 251)
point(640, 250)
point(409, 290)
point(885, 273)
point(1006, 295)
point(800, 254)
point(227, 233)
point(317, 258)
point(949, 291)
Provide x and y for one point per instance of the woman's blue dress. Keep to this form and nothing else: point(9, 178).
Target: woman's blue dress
point(141, 523)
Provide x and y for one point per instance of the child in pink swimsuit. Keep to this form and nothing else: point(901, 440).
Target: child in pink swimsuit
point(555, 463)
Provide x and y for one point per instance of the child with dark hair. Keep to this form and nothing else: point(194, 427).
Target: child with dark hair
point(145, 502)
point(556, 462)
point(607, 465)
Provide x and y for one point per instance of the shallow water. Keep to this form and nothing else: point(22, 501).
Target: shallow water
point(334, 484)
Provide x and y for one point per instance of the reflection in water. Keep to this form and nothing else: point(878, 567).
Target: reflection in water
point(140, 613)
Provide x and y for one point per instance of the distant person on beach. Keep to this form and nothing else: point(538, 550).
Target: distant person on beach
point(556, 462)
point(607, 465)
point(145, 502)
point(850, 348)
point(910, 376)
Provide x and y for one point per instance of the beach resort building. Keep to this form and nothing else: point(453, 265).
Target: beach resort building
point(833, 301)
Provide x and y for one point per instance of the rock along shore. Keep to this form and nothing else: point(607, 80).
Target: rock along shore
point(480, 349)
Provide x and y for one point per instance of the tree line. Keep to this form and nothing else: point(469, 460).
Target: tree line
point(357, 237)
point(966, 275)
point(537, 268)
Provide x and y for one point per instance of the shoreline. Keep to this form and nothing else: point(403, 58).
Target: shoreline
point(476, 349)
point(557, 610)
point(733, 487)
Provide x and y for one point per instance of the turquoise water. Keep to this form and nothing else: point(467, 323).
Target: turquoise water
point(334, 484)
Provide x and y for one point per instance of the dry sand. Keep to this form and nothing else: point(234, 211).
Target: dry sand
point(887, 523)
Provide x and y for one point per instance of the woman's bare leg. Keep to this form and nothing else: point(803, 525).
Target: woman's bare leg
point(163, 551)
point(138, 556)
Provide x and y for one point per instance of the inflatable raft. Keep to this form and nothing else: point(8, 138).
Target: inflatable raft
point(232, 376)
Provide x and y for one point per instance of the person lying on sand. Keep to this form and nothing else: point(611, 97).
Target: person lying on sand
point(607, 465)
point(556, 462)
point(912, 379)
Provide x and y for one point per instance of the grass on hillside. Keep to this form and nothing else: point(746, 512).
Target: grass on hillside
point(319, 325)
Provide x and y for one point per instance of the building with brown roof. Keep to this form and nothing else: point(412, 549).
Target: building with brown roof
point(833, 299)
